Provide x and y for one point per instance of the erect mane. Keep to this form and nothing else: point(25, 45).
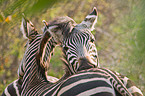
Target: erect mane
point(42, 68)
point(66, 63)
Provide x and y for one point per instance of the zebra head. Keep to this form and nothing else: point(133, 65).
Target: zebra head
point(28, 29)
point(32, 47)
point(76, 40)
point(60, 28)
point(29, 32)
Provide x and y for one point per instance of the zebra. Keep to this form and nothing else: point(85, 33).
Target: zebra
point(13, 89)
point(77, 54)
point(86, 26)
point(29, 32)
point(35, 83)
point(27, 26)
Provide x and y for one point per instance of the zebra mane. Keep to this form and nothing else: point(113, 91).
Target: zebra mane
point(65, 24)
point(42, 67)
point(66, 63)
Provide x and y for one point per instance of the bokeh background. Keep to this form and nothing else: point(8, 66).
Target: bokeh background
point(119, 33)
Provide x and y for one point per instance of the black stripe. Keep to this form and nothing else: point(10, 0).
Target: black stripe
point(82, 87)
point(80, 77)
point(12, 90)
point(103, 94)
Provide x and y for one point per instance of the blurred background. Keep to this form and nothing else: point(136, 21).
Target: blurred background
point(119, 33)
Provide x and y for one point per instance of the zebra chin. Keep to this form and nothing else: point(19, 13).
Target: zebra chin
point(85, 63)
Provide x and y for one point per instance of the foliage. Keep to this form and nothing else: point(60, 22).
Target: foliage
point(119, 34)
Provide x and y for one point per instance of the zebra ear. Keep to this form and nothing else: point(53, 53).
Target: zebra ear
point(27, 28)
point(45, 26)
point(91, 19)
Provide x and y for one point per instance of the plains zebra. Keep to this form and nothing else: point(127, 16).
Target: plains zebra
point(35, 84)
point(85, 82)
point(77, 43)
point(13, 89)
point(29, 32)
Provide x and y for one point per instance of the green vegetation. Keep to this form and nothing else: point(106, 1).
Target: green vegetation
point(120, 34)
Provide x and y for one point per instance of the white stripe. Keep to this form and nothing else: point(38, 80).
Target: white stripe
point(86, 73)
point(79, 82)
point(94, 24)
point(16, 88)
point(52, 79)
point(69, 78)
point(134, 89)
point(22, 29)
point(6, 92)
point(51, 89)
point(125, 79)
point(42, 58)
point(72, 77)
point(97, 90)
point(91, 16)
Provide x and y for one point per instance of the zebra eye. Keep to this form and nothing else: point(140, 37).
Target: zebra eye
point(65, 48)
